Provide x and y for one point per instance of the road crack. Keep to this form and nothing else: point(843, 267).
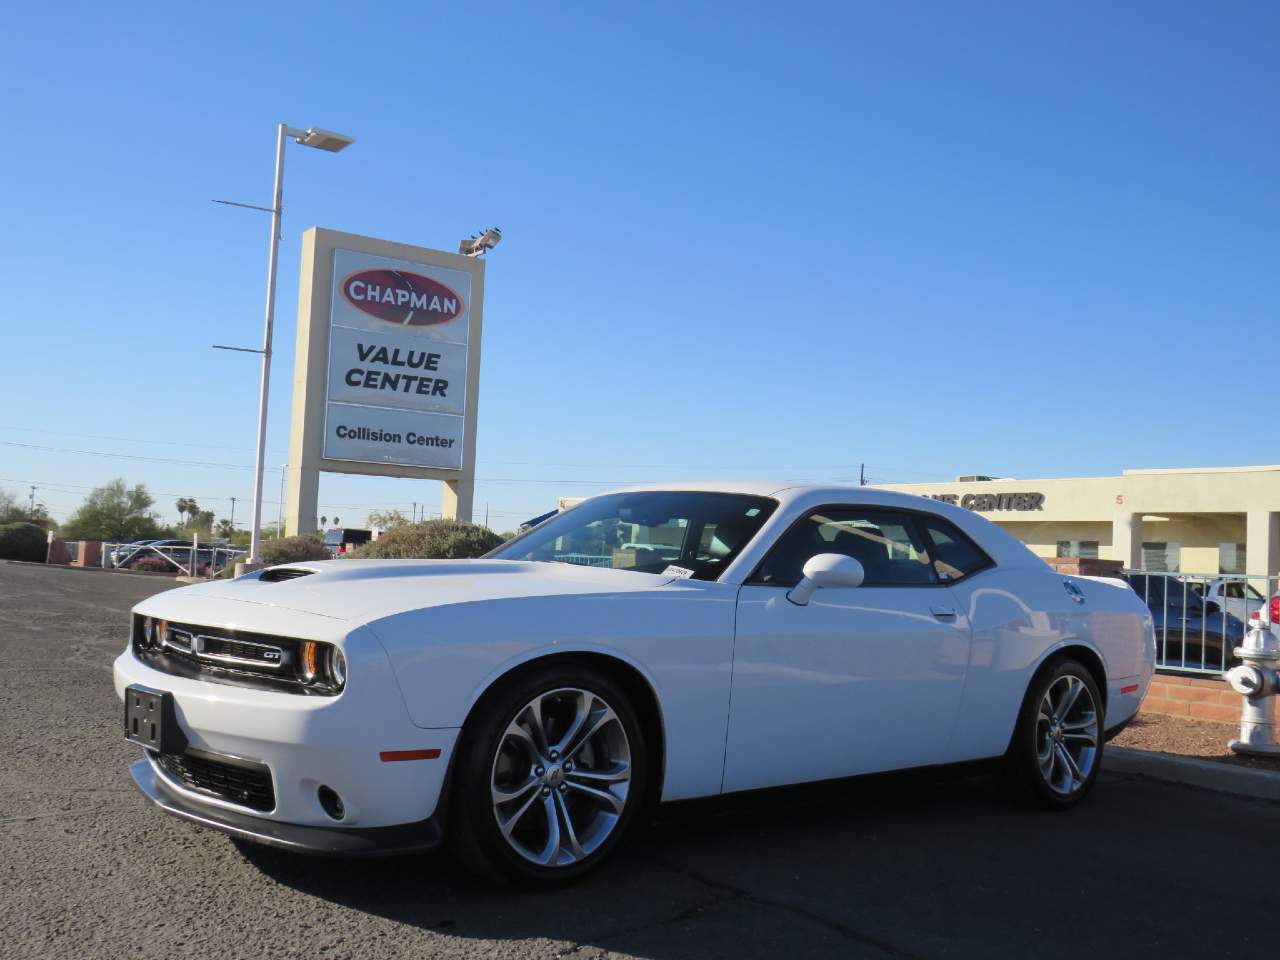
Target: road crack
point(843, 930)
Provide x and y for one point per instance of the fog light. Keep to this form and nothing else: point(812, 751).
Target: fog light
point(331, 802)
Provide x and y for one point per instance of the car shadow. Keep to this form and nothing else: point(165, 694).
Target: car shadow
point(666, 893)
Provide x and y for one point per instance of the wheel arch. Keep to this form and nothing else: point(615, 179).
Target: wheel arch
point(634, 682)
point(1089, 658)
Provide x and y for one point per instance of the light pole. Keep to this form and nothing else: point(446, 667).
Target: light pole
point(321, 140)
point(284, 471)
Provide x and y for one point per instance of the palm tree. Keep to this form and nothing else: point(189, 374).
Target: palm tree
point(185, 505)
point(226, 528)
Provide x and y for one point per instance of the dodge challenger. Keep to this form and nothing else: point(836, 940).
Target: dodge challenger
point(647, 645)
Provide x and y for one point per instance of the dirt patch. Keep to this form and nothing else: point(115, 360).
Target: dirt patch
point(1206, 739)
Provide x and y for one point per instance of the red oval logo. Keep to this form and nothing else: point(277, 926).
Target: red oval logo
point(403, 298)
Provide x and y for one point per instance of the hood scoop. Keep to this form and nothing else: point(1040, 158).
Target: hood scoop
point(279, 574)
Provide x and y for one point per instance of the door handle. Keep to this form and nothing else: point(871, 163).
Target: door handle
point(942, 612)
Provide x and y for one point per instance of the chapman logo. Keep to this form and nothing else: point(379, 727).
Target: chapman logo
point(403, 298)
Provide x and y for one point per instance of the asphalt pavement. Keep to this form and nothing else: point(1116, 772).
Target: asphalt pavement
point(916, 866)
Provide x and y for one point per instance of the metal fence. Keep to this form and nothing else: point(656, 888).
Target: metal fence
point(1200, 618)
point(192, 560)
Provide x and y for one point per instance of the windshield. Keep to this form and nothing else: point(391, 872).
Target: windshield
point(1161, 591)
point(698, 534)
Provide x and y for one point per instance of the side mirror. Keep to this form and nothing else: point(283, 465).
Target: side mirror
point(826, 570)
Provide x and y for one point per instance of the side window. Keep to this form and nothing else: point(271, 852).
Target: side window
point(887, 544)
point(954, 554)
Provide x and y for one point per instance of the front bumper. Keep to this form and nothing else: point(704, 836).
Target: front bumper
point(332, 841)
point(346, 743)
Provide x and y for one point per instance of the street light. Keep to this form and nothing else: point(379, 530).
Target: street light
point(321, 140)
point(478, 244)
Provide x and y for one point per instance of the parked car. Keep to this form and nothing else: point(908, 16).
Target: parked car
point(120, 551)
point(176, 553)
point(1236, 597)
point(1188, 633)
point(1273, 613)
point(530, 709)
point(337, 540)
point(165, 549)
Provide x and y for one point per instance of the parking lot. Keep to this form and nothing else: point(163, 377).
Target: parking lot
point(921, 866)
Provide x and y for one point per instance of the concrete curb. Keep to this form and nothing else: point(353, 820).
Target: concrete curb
point(1205, 774)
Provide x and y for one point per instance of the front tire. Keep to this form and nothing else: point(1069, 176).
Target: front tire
point(1056, 751)
point(550, 773)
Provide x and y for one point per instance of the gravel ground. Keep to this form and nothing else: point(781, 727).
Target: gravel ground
point(1185, 737)
point(929, 865)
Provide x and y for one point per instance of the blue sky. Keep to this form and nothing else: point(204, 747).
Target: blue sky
point(741, 240)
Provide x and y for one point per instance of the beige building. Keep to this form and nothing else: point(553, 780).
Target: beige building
point(1210, 520)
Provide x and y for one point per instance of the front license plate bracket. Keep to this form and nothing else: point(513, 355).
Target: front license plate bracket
point(151, 721)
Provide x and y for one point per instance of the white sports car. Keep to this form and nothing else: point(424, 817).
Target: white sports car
point(644, 646)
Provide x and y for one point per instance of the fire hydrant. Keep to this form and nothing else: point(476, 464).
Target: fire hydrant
point(1258, 681)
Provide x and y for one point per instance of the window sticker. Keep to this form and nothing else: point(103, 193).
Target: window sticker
point(674, 571)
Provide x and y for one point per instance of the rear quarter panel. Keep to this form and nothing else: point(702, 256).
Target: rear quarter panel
point(1023, 615)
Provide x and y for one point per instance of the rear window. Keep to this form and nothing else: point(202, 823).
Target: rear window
point(955, 556)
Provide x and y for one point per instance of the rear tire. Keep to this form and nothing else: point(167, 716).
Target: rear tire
point(1056, 750)
point(550, 772)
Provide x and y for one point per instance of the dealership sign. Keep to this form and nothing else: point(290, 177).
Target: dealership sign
point(399, 335)
point(987, 502)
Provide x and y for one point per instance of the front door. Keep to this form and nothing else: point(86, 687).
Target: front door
point(860, 679)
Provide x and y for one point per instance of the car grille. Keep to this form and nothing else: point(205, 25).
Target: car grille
point(236, 657)
point(241, 782)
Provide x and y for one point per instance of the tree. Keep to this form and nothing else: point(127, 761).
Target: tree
point(199, 521)
point(226, 528)
point(14, 509)
point(386, 519)
point(185, 505)
point(114, 512)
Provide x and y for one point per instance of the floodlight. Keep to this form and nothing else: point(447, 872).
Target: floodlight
point(325, 140)
point(478, 244)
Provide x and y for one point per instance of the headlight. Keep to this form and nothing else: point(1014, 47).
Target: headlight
point(148, 632)
point(161, 635)
point(337, 668)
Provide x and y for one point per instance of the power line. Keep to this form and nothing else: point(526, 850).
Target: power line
point(486, 460)
point(98, 436)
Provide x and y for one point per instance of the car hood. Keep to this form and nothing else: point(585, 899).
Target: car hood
point(360, 591)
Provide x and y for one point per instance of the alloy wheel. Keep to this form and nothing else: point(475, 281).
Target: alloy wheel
point(1067, 735)
point(560, 777)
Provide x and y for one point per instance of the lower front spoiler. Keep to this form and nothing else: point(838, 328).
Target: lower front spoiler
point(325, 841)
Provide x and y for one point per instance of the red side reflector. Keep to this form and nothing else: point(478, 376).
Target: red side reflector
point(389, 756)
point(1132, 688)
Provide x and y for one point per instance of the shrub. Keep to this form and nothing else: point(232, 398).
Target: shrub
point(153, 564)
point(293, 550)
point(23, 541)
point(432, 540)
